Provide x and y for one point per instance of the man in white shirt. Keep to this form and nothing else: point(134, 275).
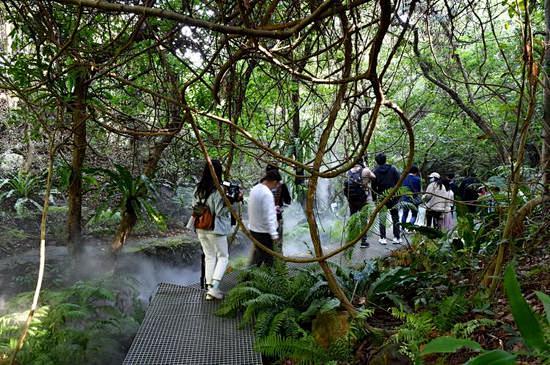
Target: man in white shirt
point(262, 216)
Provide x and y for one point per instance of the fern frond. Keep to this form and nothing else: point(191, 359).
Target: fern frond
point(465, 330)
point(284, 322)
point(303, 350)
point(263, 323)
point(450, 310)
point(236, 298)
point(264, 300)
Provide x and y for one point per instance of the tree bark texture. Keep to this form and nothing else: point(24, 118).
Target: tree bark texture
point(545, 158)
point(77, 109)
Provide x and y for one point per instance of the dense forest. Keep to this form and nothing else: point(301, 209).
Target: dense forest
point(109, 111)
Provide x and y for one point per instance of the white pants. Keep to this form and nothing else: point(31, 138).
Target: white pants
point(216, 255)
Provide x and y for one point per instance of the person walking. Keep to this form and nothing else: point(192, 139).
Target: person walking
point(439, 199)
point(262, 216)
point(213, 241)
point(411, 201)
point(356, 190)
point(281, 197)
point(387, 177)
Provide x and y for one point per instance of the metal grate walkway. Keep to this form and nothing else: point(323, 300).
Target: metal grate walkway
point(180, 327)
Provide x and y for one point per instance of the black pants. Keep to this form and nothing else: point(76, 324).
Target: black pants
point(355, 206)
point(433, 219)
point(260, 257)
point(394, 212)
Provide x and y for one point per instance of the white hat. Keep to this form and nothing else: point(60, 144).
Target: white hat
point(434, 174)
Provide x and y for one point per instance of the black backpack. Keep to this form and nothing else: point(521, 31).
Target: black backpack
point(353, 186)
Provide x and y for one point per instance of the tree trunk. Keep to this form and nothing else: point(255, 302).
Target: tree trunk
point(77, 109)
point(297, 146)
point(545, 159)
point(235, 94)
point(129, 219)
point(29, 157)
point(129, 216)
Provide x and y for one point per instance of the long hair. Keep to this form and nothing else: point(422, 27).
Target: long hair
point(444, 181)
point(206, 186)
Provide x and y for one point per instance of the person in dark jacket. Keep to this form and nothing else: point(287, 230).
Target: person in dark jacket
point(414, 185)
point(387, 177)
point(468, 191)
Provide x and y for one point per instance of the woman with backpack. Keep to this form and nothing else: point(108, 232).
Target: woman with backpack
point(213, 238)
point(439, 199)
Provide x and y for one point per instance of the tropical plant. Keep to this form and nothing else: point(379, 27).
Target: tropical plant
point(282, 303)
point(278, 301)
point(22, 189)
point(78, 325)
point(413, 333)
point(135, 196)
point(534, 332)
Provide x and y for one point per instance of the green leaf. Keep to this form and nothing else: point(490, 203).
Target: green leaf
point(447, 344)
point(495, 357)
point(329, 305)
point(545, 299)
point(524, 317)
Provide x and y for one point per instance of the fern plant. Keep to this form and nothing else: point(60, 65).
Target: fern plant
point(78, 325)
point(21, 190)
point(413, 333)
point(450, 309)
point(466, 329)
point(278, 300)
point(134, 193)
point(303, 351)
point(282, 304)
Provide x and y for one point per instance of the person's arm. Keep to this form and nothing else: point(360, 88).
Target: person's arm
point(218, 204)
point(367, 173)
point(396, 176)
point(374, 184)
point(429, 190)
point(269, 205)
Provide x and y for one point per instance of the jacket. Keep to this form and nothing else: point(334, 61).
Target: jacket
point(387, 177)
point(438, 198)
point(222, 216)
point(414, 185)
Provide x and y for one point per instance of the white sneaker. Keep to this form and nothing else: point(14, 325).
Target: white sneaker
point(214, 293)
point(396, 241)
point(383, 241)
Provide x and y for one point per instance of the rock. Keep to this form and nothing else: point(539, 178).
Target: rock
point(330, 326)
point(389, 355)
point(177, 250)
point(10, 162)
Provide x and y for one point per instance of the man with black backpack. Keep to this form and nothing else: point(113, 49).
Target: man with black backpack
point(387, 177)
point(356, 189)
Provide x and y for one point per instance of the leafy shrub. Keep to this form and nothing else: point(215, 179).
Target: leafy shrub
point(534, 331)
point(21, 191)
point(78, 325)
point(135, 194)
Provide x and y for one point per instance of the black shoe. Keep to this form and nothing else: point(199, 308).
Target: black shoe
point(364, 244)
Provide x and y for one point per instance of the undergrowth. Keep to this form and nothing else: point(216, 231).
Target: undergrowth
point(83, 324)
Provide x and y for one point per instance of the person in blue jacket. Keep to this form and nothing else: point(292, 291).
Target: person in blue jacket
point(413, 184)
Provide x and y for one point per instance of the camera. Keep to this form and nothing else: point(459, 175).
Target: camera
point(232, 190)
